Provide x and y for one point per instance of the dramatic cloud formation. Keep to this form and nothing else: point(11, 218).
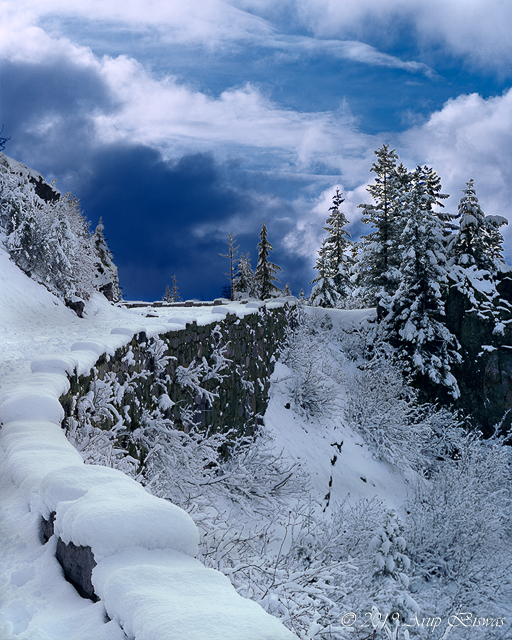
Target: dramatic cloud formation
point(180, 122)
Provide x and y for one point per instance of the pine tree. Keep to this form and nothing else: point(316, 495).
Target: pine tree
point(167, 295)
point(377, 275)
point(414, 316)
point(265, 275)
point(478, 241)
point(174, 291)
point(172, 295)
point(324, 293)
point(244, 281)
point(476, 257)
point(334, 260)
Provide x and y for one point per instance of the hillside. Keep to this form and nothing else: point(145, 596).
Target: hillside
point(340, 478)
point(250, 470)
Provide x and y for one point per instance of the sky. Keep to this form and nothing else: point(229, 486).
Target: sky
point(180, 122)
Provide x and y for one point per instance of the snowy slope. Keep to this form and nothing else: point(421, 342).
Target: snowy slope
point(149, 583)
point(355, 473)
point(339, 464)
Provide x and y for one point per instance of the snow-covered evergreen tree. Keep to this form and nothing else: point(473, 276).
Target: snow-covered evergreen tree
point(266, 271)
point(414, 316)
point(476, 256)
point(243, 284)
point(334, 260)
point(106, 277)
point(324, 293)
point(478, 241)
point(377, 275)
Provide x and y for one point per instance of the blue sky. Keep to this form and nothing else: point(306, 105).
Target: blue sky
point(180, 122)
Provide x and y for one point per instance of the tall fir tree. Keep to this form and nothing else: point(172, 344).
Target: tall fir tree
point(265, 274)
point(377, 274)
point(476, 257)
point(478, 241)
point(324, 293)
point(414, 315)
point(334, 260)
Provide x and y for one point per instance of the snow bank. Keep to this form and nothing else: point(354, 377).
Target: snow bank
point(149, 583)
point(165, 594)
point(106, 510)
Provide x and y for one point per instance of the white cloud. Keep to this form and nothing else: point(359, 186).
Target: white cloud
point(241, 121)
point(209, 23)
point(470, 137)
point(344, 49)
point(477, 30)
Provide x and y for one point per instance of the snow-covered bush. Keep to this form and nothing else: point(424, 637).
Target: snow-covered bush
point(383, 408)
point(458, 528)
point(307, 355)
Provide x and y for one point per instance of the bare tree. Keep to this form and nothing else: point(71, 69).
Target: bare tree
point(231, 255)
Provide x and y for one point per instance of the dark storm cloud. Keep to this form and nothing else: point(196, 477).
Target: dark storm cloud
point(152, 208)
point(46, 109)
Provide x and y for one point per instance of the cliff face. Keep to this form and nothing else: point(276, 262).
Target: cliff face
point(485, 374)
point(43, 189)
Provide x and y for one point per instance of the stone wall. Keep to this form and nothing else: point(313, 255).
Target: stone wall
point(149, 367)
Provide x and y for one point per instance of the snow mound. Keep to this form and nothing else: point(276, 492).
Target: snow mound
point(104, 509)
point(186, 600)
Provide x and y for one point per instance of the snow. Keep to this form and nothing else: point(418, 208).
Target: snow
point(104, 509)
point(15, 165)
point(148, 581)
point(355, 475)
point(171, 585)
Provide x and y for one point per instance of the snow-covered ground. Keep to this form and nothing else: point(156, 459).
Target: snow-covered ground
point(147, 578)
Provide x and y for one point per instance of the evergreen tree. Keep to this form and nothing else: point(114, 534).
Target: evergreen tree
point(478, 241)
point(324, 293)
point(414, 316)
point(172, 295)
point(265, 275)
point(174, 291)
point(377, 274)
point(334, 262)
point(476, 257)
point(244, 281)
point(287, 291)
